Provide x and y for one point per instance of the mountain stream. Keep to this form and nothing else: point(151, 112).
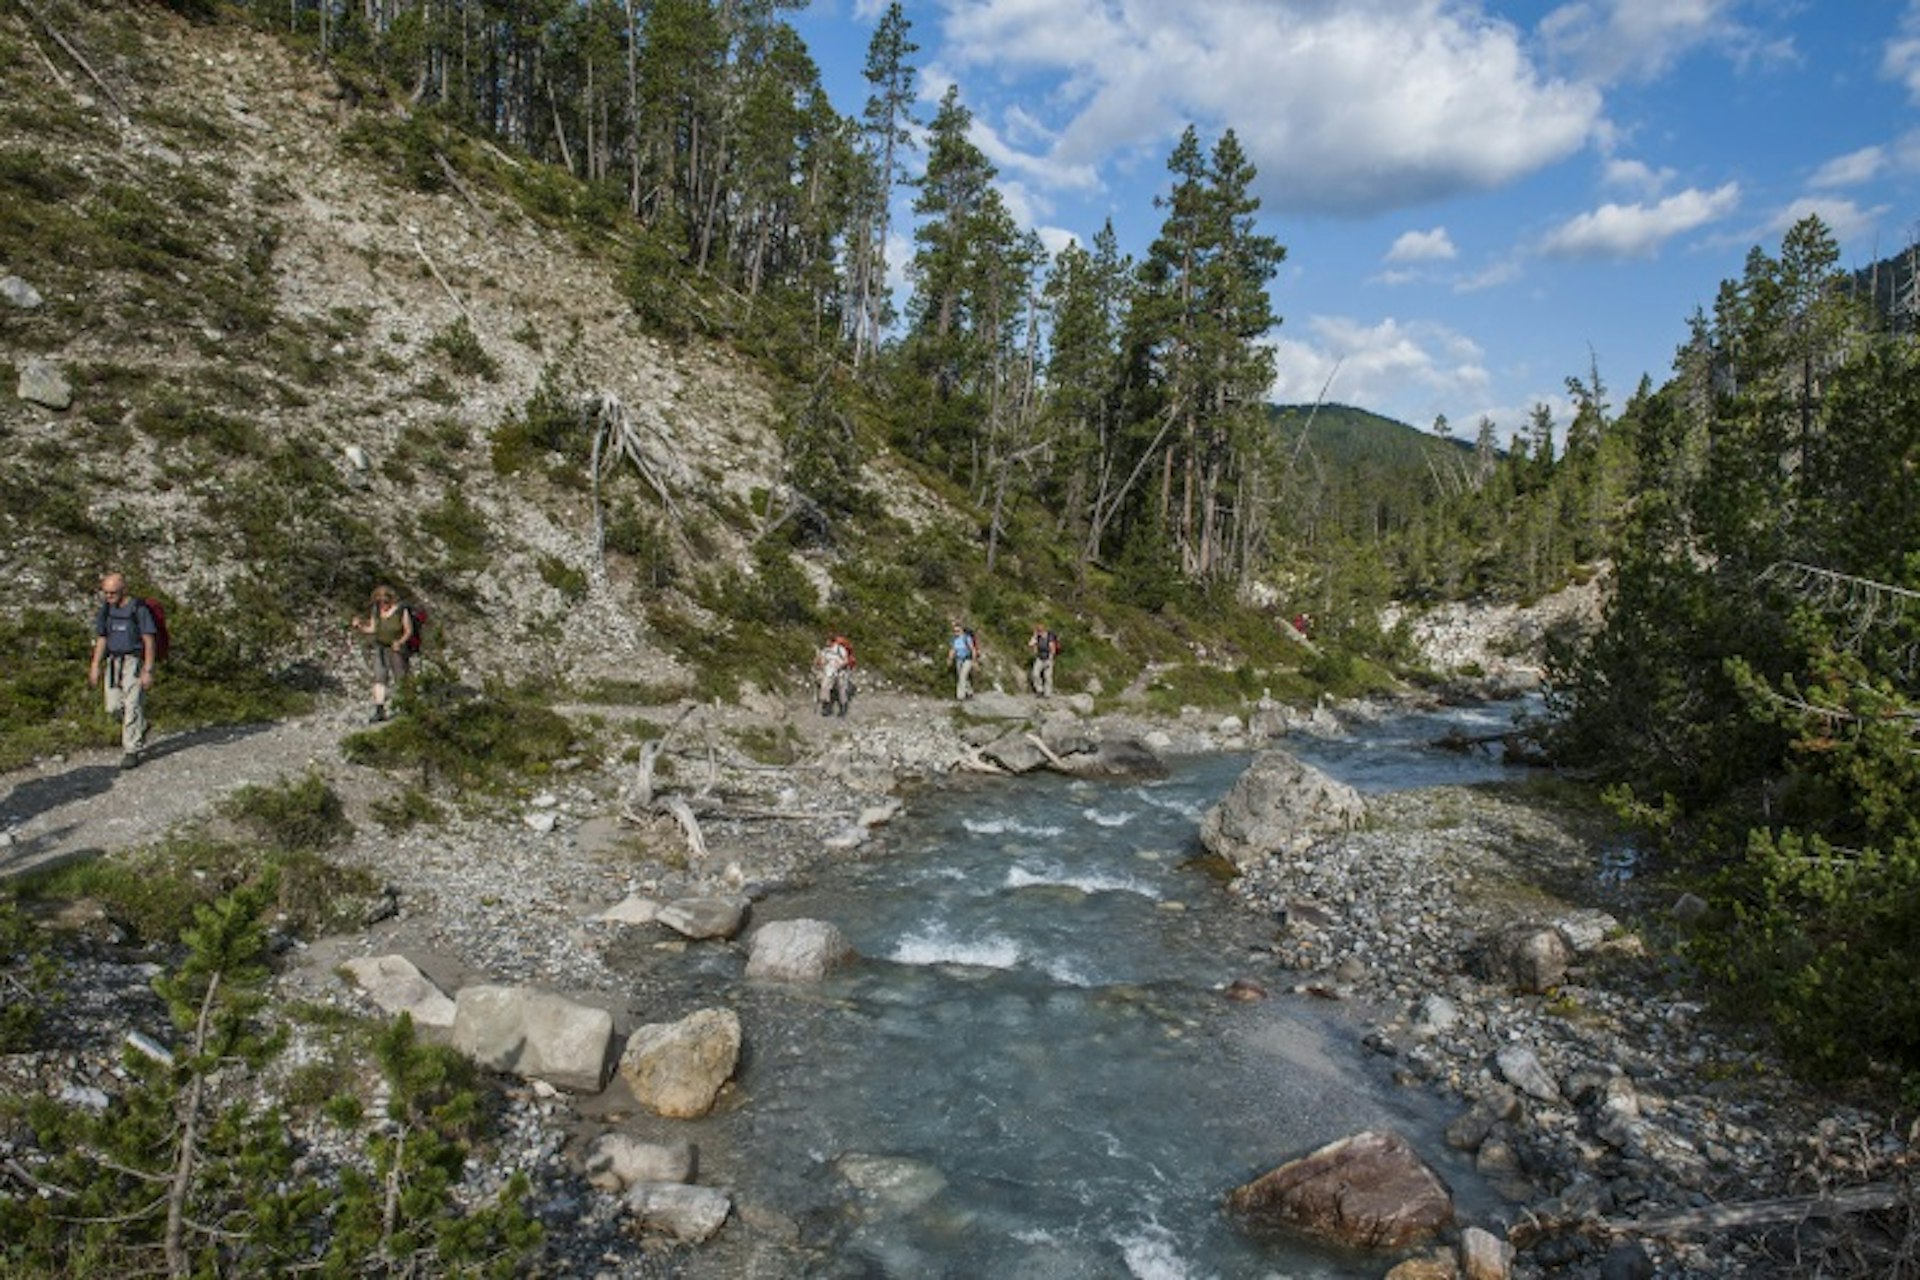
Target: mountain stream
point(1032, 1073)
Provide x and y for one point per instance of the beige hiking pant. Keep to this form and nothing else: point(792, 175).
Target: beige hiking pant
point(126, 698)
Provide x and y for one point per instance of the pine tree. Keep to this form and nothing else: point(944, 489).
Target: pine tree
point(887, 125)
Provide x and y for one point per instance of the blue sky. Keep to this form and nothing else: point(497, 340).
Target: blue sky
point(1478, 198)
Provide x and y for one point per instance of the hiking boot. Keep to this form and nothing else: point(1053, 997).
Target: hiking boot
point(131, 760)
point(379, 714)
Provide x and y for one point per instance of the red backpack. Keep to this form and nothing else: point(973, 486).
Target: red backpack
point(162, 638)
point(419, 627)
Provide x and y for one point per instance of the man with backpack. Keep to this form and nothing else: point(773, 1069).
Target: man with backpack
point(962, 651)
point(1045, 646)
point(124, 653)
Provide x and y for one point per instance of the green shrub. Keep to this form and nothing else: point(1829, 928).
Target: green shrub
point(635, 533)
point(408, 808)
point(301, 815)
point(28, 977)
point(465, 355)
point(570, 582)
point(460, 527)
point(549, 424)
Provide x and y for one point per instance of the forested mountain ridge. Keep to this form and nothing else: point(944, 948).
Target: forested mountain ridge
point(277, 333)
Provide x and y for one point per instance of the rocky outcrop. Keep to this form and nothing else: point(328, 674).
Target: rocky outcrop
point(1370, 1191)
point(677, 1069)
point(1279, 805)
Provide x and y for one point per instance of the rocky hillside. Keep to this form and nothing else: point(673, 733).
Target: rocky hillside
point(260, 340)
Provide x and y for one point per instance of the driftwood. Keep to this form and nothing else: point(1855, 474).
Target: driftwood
point(690, 824)
point(1724, 1217)
point(60, 77)
point(644, 803)
point(459, 184)
point(1048, 752)
point(615, 436)
point(53, 33)
point(421, 249)
point(974, 762)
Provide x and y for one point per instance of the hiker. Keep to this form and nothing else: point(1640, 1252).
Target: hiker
point(1046, 647)
point(962, 652)
point(388, 627)
point(124, 641)
point(833, 672)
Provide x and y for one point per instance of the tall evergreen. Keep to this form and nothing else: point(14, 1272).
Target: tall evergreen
point(887, 125)
point(1197, 330)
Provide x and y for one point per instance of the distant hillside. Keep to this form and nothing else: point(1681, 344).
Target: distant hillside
point(1370, 473)
point(1341, 435)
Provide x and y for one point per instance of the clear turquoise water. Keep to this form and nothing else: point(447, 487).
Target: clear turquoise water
point(1032, 1072)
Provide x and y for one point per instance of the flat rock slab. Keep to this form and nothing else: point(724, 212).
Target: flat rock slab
point(536, 1034)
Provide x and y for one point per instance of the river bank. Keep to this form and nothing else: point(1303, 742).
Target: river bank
point(1641, 1109)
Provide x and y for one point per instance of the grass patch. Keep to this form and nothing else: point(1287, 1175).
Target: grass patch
point(407, 809)
point(497, 741)
point(632, 693)
point(770, 745)
point(155, 891)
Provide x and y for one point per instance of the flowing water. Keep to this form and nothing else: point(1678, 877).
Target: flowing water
point(1032, 1072)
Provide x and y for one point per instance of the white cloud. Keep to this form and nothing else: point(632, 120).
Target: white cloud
point(1636, 175)
point(1847, 220)
point(1423, 246)
point(1492, 276)
point(1638, 230)
point(1901, 60)
point(1410, 371)
point(1010, 159)
point(1363, 106)
point(1851, 169)
point(1608, 40)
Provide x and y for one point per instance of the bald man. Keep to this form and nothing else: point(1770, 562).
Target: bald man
point(123, 640)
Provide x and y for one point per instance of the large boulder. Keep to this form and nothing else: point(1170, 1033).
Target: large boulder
point(798, 951)
point(1016, 752)
point(1067, 735)
point(1279, 805)
point(676, 1069)
point(1368, 1191)
point(536, 1034)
